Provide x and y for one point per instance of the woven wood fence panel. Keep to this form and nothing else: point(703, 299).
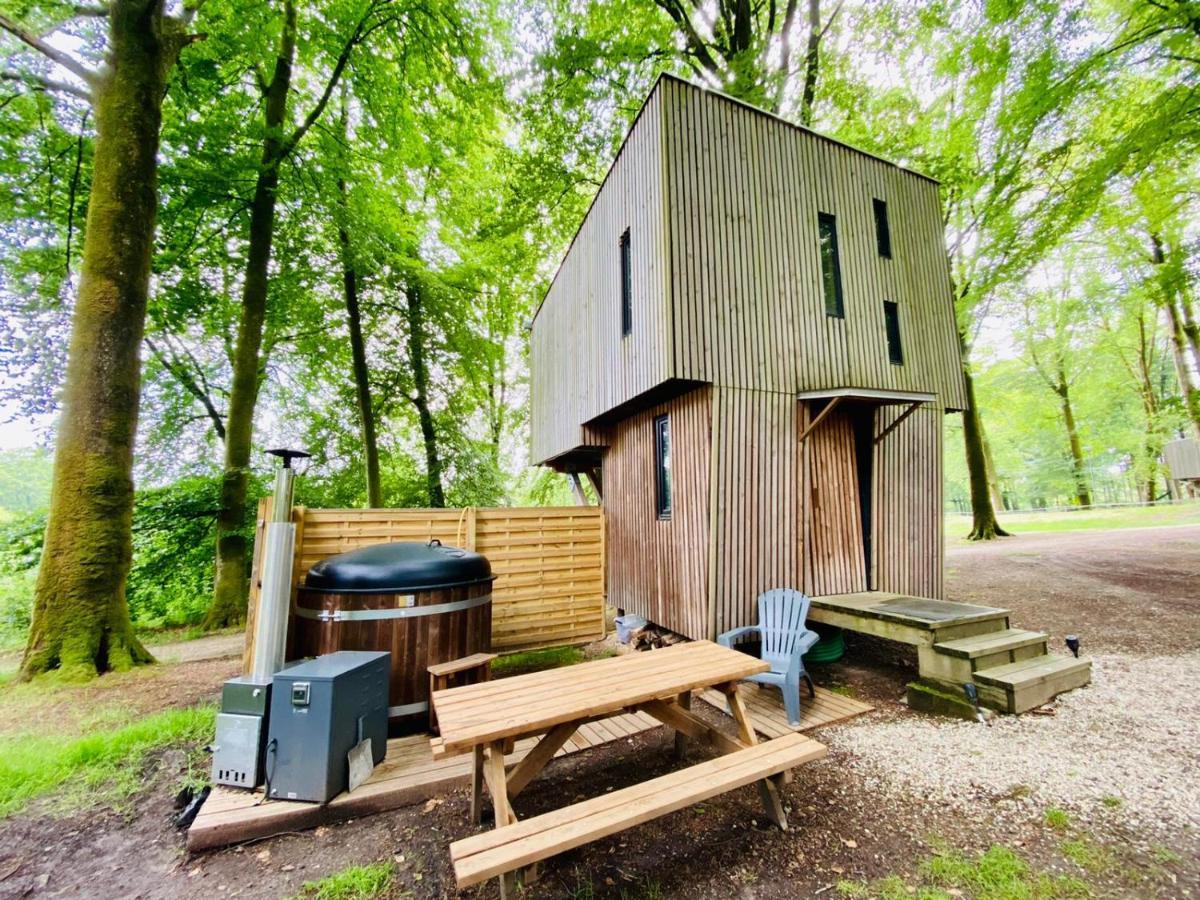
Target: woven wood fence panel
point(549, 561)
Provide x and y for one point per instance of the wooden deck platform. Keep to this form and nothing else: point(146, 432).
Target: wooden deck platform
point(410, 775)
point(921, 621)
point(765, 706)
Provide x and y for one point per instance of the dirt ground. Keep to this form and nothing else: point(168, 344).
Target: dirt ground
point(1129, 594)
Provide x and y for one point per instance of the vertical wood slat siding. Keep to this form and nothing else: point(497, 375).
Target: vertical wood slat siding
point(756, 520)
point(745, 189)
point(549, 562)
point(908, 540)
point(659, 568)
point(836, 561)
point(582, 366)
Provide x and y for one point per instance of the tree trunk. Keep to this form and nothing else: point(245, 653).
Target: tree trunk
point(984, 526)
point(990, 466)
point(1083, 492)
point(1170, 301)
point(420, 399)
point(812, 62)
point(80, 617)
point(229, 597)
point(358, 354)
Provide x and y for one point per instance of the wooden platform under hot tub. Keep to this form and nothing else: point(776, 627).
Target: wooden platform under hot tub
point(410, 775)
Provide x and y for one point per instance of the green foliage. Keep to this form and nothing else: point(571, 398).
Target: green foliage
point(25, 480)
point(101, 768)
point(354, 883)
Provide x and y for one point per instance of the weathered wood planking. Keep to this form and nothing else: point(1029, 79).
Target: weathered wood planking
point(549, 562)
point(907, 534)
point(653, 562)
point(579, 321)
point(744, 190)
point(730, 195)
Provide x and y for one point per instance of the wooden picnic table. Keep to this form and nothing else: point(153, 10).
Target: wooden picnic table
point(486, 719)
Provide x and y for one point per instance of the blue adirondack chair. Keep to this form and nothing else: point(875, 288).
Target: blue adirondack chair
point(785, 639)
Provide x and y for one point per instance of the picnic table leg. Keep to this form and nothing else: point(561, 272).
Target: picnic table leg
point(681, 739)
point(498, 786)
point(768, 788)
point(477, 787)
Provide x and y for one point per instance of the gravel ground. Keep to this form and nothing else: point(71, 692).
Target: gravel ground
point(1133, 734)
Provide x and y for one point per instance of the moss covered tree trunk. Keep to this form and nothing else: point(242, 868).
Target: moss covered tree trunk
point(80, 617)
point(230, 590)
point(984, 526)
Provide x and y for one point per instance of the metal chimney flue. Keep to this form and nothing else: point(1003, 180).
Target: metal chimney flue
point(270, 628)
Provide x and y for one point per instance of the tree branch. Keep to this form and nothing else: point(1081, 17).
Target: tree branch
point(42, 83)
point(361, 31)
point(66, 60)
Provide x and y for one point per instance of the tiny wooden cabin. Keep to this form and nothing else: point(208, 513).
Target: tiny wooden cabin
point(749, 348)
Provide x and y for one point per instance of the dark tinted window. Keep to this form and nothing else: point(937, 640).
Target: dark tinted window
point(662, 467)
point(883, 237)
point(831, 267)
point(626, 287)
point(891, 319)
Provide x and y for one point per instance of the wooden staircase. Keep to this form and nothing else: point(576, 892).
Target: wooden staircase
point(958, 643)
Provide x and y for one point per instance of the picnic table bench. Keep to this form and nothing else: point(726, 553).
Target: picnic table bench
point(485, 719)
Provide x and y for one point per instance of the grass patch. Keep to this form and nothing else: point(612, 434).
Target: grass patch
point(536, 661)
point(156, 637)
point(844, 689)
point(1182, 513)
point(1058, 818)
point(1165, 856)
point(998, 874)
point(1086, 855)
point(100, 768)
point(354, 883)
point(1112, 802)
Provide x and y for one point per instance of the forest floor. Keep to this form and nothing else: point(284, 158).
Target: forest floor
point(1100, 799)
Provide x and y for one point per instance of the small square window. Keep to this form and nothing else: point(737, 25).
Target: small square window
point(662, 467)
point(831, 267)
point(626, 286)
point(883, 235)
point(891, 321)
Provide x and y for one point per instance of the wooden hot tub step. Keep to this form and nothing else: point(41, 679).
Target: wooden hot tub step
point(954, 662)
point(996, 642)
point(1021, 686)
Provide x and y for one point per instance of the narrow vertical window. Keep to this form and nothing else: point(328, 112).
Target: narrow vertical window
point(891, 320)
point(626, 287)
point(883, 236)
point(662, 466)
point(831, 267)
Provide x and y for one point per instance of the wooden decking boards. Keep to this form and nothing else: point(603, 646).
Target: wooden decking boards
point(409, 775)
point(961, 642)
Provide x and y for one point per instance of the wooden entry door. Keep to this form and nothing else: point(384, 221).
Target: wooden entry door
point(834, 549)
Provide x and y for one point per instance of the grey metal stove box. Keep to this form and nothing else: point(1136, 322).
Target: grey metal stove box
point(320, 709)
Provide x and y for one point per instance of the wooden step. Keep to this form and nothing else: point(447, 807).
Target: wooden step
point(996, 642)
point(1020, 686)
point(483, 856)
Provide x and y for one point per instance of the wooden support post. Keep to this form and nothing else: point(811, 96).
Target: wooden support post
point(912, 408)
point(477, 787)
point(577, 488)
point(681, 738)
point(829, 407)
point(535, 760)
point(768, 788)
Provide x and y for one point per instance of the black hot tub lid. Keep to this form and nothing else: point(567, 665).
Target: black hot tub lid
point(402, 566)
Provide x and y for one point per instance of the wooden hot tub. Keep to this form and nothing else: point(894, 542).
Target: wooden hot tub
point(423, 603)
